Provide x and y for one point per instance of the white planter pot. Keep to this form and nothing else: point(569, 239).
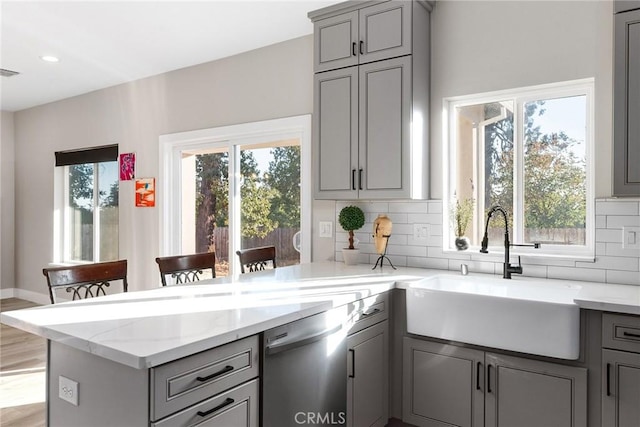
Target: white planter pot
point(351, 256)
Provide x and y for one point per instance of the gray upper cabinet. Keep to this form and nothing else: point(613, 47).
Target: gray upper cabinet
point(370, 135)
point(369, 34)
point(626, 126)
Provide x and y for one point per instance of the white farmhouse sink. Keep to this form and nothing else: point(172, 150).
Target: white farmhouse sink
point(527, 315)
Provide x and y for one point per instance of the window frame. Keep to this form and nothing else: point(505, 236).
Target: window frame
point(233, 138)
point(519, 97)
point(61, 232)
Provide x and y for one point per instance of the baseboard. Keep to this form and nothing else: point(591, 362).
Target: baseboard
point(36, 297)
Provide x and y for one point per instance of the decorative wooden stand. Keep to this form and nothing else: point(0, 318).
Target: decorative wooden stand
point(384, 256)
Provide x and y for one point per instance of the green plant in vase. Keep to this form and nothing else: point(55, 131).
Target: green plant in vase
point(462, 215)
point(351, 218)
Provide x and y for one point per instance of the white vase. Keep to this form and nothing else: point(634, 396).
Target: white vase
point(350, 256)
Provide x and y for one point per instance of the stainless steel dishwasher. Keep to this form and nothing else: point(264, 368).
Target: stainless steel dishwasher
point(305, 372)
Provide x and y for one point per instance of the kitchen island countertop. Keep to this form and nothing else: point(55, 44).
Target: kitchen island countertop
point(148, 328)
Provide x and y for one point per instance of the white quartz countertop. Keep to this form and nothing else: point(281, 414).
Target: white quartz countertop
point(148, 328)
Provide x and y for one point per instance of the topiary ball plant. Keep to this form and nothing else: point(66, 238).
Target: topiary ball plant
point(351, 218)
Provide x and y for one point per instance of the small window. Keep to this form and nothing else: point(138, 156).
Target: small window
point(90, 197)
point(528, 151)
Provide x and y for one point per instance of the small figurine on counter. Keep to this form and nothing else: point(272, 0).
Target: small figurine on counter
point(381, 233)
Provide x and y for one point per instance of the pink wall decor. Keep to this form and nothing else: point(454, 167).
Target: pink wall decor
point(127, 166)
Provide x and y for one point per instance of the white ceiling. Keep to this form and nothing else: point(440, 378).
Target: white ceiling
point(105, 43)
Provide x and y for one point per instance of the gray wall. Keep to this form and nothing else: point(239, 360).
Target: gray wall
point(271, 82)
point(7, 144)
point(482, 46)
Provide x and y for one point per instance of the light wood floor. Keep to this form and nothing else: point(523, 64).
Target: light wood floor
point(23, 360)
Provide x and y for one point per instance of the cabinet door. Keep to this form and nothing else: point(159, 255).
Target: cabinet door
point(443, 385)
point(336, 42)
point(620, 389)
point(385, 31)
point(626, 126)
point(237, 407)
point(336, 134)
point(368, 377)
point(529, 393)
point(384, 139)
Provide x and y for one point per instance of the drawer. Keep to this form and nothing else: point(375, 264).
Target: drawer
point(179, 384)
point(236, 407)
point(368, 311)
point(621, 332)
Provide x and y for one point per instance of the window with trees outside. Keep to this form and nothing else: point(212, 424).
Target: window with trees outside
point(90, 190)
point(237, 187)
point(529, 151)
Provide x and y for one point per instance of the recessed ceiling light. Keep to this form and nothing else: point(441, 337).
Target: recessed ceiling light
point(49, 58)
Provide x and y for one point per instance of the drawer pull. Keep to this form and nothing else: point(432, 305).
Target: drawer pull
point(478, 367)
point(353, 363)
point(228, 401)
point(226, 369)
point(608, 379)
point(630, 334)
point(371, 313)
point(488, 378)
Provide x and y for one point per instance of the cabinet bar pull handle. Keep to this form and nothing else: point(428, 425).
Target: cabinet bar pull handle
point(353, 363)
point(371, 313)
point(361, 47)
point(478, 367)
point(360, 178)
point(608, 379)
point(353, 179)
point(630, 334)
point(215, 374)
point(353, 49)
point(489, 378)
point(228, 401)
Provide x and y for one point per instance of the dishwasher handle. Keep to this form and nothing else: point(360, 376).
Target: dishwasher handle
point(285, 345)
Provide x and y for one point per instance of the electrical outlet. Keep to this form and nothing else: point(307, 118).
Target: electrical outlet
point(325, 229)
point(420, 232)
point(68, 390)
point(631, 237)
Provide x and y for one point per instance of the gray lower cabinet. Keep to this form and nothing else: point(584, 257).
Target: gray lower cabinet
point(626, 126)
point(620, 370)
point(448, 385)
point(621, 390)
point(216, 387)
point(368, 377)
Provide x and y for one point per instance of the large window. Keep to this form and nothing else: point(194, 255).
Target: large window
point(89, 221)
point(527, 150)
point(238, 187)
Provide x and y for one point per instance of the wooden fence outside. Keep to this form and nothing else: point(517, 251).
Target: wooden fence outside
point(281, 238)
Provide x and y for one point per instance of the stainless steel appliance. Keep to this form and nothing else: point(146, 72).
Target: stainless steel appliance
point(305, 372)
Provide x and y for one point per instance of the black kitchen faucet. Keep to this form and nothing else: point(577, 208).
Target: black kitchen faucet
point(507, 268)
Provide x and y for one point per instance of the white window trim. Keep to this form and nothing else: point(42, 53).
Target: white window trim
point(61, 212)
point(231, 137)
point(520, 96)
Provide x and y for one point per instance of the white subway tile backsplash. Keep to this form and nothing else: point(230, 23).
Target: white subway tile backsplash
point(572, 273)
point(435, 206)
point(613, 264)
point(436, 263)
point(422, 218)
point(619, 221)
point(608, 236)
point(623, 277)
point(408, 207)
point(617, 208)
